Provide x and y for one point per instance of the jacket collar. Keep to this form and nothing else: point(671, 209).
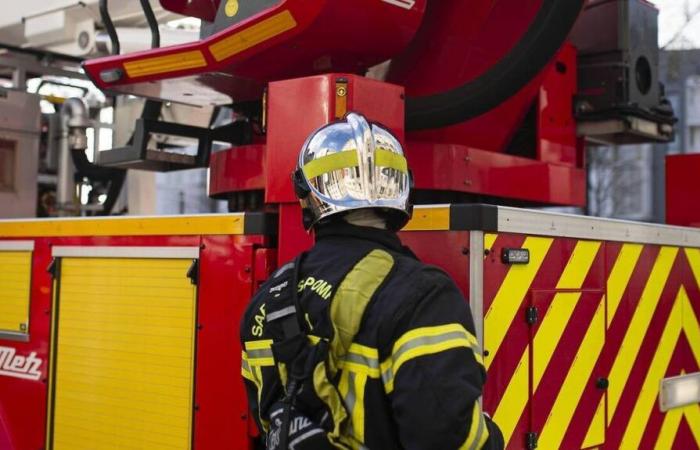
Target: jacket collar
point(342, 229)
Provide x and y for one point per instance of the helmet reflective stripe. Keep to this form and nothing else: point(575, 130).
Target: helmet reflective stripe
point(352, 164)
point(348, 159)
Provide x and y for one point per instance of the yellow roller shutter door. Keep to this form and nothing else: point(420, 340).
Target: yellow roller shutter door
point(15, 279)
point(124, 350)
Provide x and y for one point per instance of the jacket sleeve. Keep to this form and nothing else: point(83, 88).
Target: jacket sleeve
point(258, 370)
point(434, 372)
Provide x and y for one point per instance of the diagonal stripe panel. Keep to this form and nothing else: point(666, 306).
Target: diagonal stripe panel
point(516, 395)
point(692, 415)
point(669, 428)
point(638, 326)
point(620, 276)
point(505, 304)
point(575, 381)
point(693, 255)
point(650, 388)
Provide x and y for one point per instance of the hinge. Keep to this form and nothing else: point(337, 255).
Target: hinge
point(53, 268)
point(531, 440)
point(193, 272)
point(531, 315)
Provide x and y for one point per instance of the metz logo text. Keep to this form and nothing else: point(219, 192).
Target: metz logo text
point(17, 366)
point(406, 4)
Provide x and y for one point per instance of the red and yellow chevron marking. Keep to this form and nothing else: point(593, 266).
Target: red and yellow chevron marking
point(625, 312)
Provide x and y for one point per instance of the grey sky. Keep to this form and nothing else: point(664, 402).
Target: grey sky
point(672, 16)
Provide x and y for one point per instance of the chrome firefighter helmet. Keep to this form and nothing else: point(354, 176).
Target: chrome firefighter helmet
point(353, 164)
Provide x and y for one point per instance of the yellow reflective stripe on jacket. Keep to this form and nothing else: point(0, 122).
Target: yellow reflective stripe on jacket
point(347, 309)
point(478, 432)
point(363, 360)
point(426, 341)
point(259, 353)
point(350, 301)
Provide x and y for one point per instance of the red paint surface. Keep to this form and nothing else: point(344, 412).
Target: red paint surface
point(237, 169)
point(329, 36)
point(556, 125)
point(452, 257)
point(683, 190)
point(467, 169)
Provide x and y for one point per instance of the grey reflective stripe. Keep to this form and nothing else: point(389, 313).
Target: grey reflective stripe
point(308, 434)
point(245, 365)
point(428, 340)
point(283, 269)
point(281, 313)
point(388, 375)
point(479, 432)
point(259, 354)
point(350, 400)
point(372, 363)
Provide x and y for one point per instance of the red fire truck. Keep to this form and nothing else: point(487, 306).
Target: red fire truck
point(121, 332)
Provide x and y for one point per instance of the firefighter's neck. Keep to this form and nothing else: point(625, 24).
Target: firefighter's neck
point(365, 218)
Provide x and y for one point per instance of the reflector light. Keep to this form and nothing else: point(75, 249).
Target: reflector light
point(679, 391)
point(515, 256)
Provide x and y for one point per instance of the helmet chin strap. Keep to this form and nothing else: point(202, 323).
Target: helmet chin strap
point(365, 218)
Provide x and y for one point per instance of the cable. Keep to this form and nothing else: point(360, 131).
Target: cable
point(152, 23)
point(109, 26)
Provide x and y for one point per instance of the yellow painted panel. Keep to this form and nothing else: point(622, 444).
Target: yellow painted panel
point(571, 390)
point(126, 226)
point(620, 276)
point(124, 355)
point(164, 64)
point(253, 35)
point(596, 430)
point(15, 279)
point(429, 219)
point(489, 240)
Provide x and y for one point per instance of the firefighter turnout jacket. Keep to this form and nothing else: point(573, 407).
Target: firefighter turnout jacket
point(390, 360)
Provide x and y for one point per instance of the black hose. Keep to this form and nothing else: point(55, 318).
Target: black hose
point(152, 23)
point(109, 26)
point(151, 110)
point(523, 62)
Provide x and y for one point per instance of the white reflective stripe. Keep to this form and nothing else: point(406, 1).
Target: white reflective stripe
point(289, 310)
point(308, 434)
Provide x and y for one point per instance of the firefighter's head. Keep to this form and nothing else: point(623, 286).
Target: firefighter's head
point(353, 165)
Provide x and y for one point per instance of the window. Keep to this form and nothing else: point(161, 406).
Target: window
point(7, 165)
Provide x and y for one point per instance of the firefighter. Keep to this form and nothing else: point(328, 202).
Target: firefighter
point(356, 344)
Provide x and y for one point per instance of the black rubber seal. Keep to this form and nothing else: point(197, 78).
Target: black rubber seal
point(473, 217)
point(260, 223)
point(539, 44)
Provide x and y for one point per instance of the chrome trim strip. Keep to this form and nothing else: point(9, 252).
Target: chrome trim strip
point(476, 283)
point(126, 252)
point(543, 223)
point(10, 246)
point(14, 336)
